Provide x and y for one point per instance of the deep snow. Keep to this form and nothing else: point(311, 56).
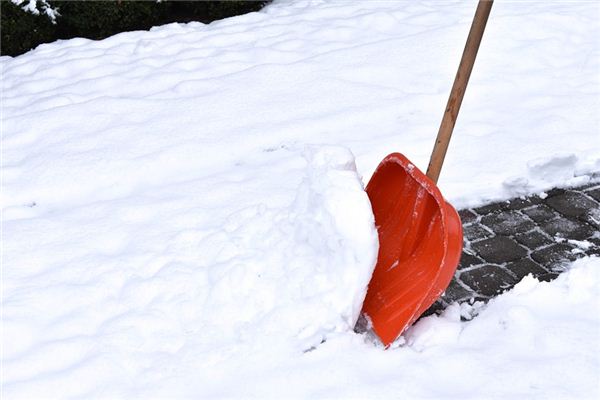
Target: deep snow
point(183, 216)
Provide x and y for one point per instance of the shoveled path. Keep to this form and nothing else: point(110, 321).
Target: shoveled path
point(505, 241)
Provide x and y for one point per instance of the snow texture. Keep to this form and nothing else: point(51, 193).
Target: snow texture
point(183, 212)
point(33, 7)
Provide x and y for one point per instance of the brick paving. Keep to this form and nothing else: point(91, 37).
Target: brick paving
point(505, 241)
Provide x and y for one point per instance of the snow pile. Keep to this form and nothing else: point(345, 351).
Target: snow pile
point(537, 341)
point(371, 76)
point(276, 254)
point(299, 271)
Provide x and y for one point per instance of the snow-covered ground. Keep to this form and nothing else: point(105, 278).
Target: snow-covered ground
point(183, 213)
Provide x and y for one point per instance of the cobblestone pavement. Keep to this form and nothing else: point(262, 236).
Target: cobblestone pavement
point(505, 241)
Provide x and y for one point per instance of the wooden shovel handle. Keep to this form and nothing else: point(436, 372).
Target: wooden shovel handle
point(458, 89)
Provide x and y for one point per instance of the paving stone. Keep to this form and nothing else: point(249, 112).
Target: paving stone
point(533, 239)
point(593, 218)
point(540, 213)
point(594, 251)
point(499, 249)
point(547, 277)
point(520, 203)
point(590, 185)
point(554, 192)
point(595, 193)
point(507, 222)
point(467, 260)
point(436, 308)
point(498, 245)
point(483, 210)
point(595, 248)
point(455, 292)
point(568, 229)
point(467, 216)
point(551, 255)
point(488, 280)
point(595, 240)
point(571, 204)
point(476, 231)
point(524, 267)
point(475, 299)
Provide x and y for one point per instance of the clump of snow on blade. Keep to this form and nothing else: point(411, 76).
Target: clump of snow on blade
point(300, 271)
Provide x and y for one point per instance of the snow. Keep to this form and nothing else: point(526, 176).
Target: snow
point(183, 211)
point(277, 252)
point(33, 7)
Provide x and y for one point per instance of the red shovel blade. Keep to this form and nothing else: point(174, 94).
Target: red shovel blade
point(420, 243)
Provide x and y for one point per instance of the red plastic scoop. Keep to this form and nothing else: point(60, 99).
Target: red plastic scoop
point(420, 242)
point(420, 234)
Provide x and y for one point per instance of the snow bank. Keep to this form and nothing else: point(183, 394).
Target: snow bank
point(537, 341)
point(275, 254)
point(371, 76)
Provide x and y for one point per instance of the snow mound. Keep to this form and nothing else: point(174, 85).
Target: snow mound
point(371, 76)
point(300, 271)
point(536, 341)
point(272, 255)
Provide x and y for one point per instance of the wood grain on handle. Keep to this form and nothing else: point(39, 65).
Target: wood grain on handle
point(458, 89)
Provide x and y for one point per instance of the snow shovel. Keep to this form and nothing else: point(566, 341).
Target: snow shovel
point(420, 234)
